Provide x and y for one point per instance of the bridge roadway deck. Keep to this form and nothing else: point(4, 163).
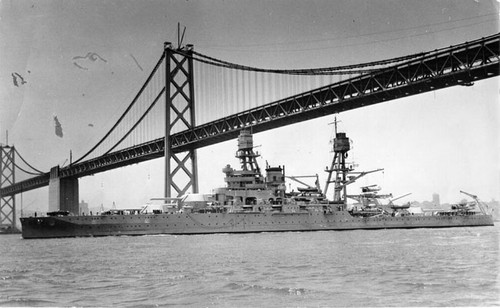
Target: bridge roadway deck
point(462, 64)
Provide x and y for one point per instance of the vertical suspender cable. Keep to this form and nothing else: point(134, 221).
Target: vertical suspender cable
point(256, 97)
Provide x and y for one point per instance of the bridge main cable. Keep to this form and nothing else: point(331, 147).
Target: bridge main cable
point(125, 112)
point(337, 70)
point(438, 69)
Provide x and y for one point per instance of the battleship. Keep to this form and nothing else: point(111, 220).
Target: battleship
point(251, 202)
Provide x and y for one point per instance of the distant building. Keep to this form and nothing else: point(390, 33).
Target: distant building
point(435, 199)
point(84, 207)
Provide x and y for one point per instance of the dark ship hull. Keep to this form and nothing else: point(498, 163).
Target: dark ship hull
point(208, 223)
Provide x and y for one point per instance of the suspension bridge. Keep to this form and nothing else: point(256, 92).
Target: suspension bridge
point(191, 100)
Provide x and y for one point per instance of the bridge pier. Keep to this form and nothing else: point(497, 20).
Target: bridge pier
point(63, 193)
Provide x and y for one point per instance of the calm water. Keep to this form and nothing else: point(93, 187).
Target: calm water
point(420, 267)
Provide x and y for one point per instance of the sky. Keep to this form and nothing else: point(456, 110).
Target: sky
point(83, 62)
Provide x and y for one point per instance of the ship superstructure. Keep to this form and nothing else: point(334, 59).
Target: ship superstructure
point(251, 202)
point(246, 189)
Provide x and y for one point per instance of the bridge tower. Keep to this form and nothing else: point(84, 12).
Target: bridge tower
point(180, 112)
point(7, 178)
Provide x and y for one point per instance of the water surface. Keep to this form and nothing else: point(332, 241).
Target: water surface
point(416, 267)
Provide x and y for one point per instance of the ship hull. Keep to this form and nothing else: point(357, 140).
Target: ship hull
point(209, 223)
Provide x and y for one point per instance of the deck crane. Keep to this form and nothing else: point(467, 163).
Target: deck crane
point(391, 201)
point(479, 203)
point(296, 179)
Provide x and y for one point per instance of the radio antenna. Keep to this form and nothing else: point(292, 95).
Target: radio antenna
point(179, 37)
point(335, 123)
